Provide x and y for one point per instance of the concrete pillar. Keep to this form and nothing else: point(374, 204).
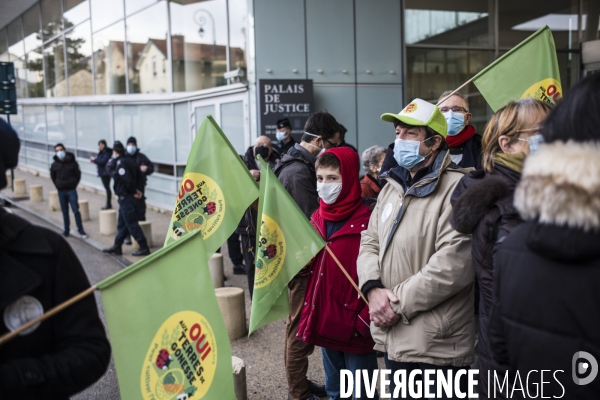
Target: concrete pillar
point(147, 229)
point(84, 209)
point(233, 308)
point(20, 187)
point(53, 203)
point(239, 378)
point(108, 222)
point(36, 193)
point(215, 264)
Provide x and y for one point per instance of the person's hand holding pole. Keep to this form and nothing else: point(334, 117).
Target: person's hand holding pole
point(380, 309)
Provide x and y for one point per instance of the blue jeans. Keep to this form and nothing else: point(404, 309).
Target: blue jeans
point(128, 221)
point(334, 361)
point(67, 197)
point(395, 366)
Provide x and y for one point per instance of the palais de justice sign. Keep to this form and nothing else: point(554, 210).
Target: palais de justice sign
point(284, 98)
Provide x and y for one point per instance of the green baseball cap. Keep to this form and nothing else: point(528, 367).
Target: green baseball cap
point(420, 113)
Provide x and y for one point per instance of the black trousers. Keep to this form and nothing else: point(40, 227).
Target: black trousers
point(128, 222)
point(106, 184)
point(234, 248)
point(248, 243)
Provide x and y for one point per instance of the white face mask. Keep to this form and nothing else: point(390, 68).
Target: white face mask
point(329, 192)
point(316, 147)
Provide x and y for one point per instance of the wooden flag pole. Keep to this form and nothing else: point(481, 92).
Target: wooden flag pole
point(345, 273)
point(10, 335)
point(452, 94)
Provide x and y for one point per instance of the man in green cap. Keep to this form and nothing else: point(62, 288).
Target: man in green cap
point(415, 269)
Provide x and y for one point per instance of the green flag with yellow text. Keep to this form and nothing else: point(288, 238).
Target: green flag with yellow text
point(285, 243)
point(215, 190)
point(168, 337)
point(530, 69)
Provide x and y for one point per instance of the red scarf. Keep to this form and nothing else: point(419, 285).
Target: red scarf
point(350, 198)
point(466, 134)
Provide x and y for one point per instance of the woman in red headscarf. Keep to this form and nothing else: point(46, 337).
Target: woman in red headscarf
point(334, 316)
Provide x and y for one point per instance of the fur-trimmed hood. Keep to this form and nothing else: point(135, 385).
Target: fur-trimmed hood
point(560, 185)
point(477, 192)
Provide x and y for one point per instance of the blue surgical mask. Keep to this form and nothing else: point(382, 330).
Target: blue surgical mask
point(534, 143)
point(406, 152)
point(455, 121)
point(280, 136)
point(61, 154)
point(131, 149)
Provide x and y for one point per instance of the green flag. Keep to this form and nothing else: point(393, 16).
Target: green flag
point(215, 190)
point(286, 243)
point(530, 69)
point(168, 337)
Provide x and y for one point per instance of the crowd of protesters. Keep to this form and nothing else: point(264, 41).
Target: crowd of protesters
point(464, 247)
point(472, 250)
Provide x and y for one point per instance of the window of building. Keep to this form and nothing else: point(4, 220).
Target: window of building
point(109, 60)
point(519, 19)
point(35, 73)
point(75, 12)
point(16, 48)
point(3, 46)
point(32, 29)
point(238, 35)
point(51, 18)
point(54, 62)
point(453, 22)
point(79, 60)
point(147, 43)
point(199, 44)
point(106, 12)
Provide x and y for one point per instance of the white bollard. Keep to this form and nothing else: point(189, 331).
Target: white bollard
point(147, 229)
point(53, 203)
point(239, 378)
point(215, 264)
point(36, 193)
point(84, 210)
point(233, 309)
point(108, 222)
point(19, 187)
point(8, 179)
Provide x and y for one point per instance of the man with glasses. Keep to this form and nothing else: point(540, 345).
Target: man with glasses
point(463, 141)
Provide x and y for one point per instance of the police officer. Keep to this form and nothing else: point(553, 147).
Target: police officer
point(38, 271)
point(284, 135)
point(127, 182)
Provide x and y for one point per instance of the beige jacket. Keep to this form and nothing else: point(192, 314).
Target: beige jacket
point(428, 266)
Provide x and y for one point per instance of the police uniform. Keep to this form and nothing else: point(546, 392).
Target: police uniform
point(126, 178)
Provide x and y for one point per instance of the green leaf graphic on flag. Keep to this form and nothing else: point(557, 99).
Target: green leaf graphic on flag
point(215, 190)
point(285, 243)
point(529, 69)
point(180, 349)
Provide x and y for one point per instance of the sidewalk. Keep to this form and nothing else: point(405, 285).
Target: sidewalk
point(160, 221)
point(262, 352)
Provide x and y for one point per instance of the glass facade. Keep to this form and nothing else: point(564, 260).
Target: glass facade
point(449, 42)
point(108, 69)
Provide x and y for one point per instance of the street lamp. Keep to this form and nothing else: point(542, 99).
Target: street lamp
point(201, 21)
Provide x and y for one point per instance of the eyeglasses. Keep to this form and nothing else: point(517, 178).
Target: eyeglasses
point(454, 109)
point(332, 144)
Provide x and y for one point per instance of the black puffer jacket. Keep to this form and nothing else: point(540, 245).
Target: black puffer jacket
point(296, 172)
point(546, 303)
point(101, 160)
point(66, 353)
point(482, 205)
point(141, 159)
point(65, 174)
